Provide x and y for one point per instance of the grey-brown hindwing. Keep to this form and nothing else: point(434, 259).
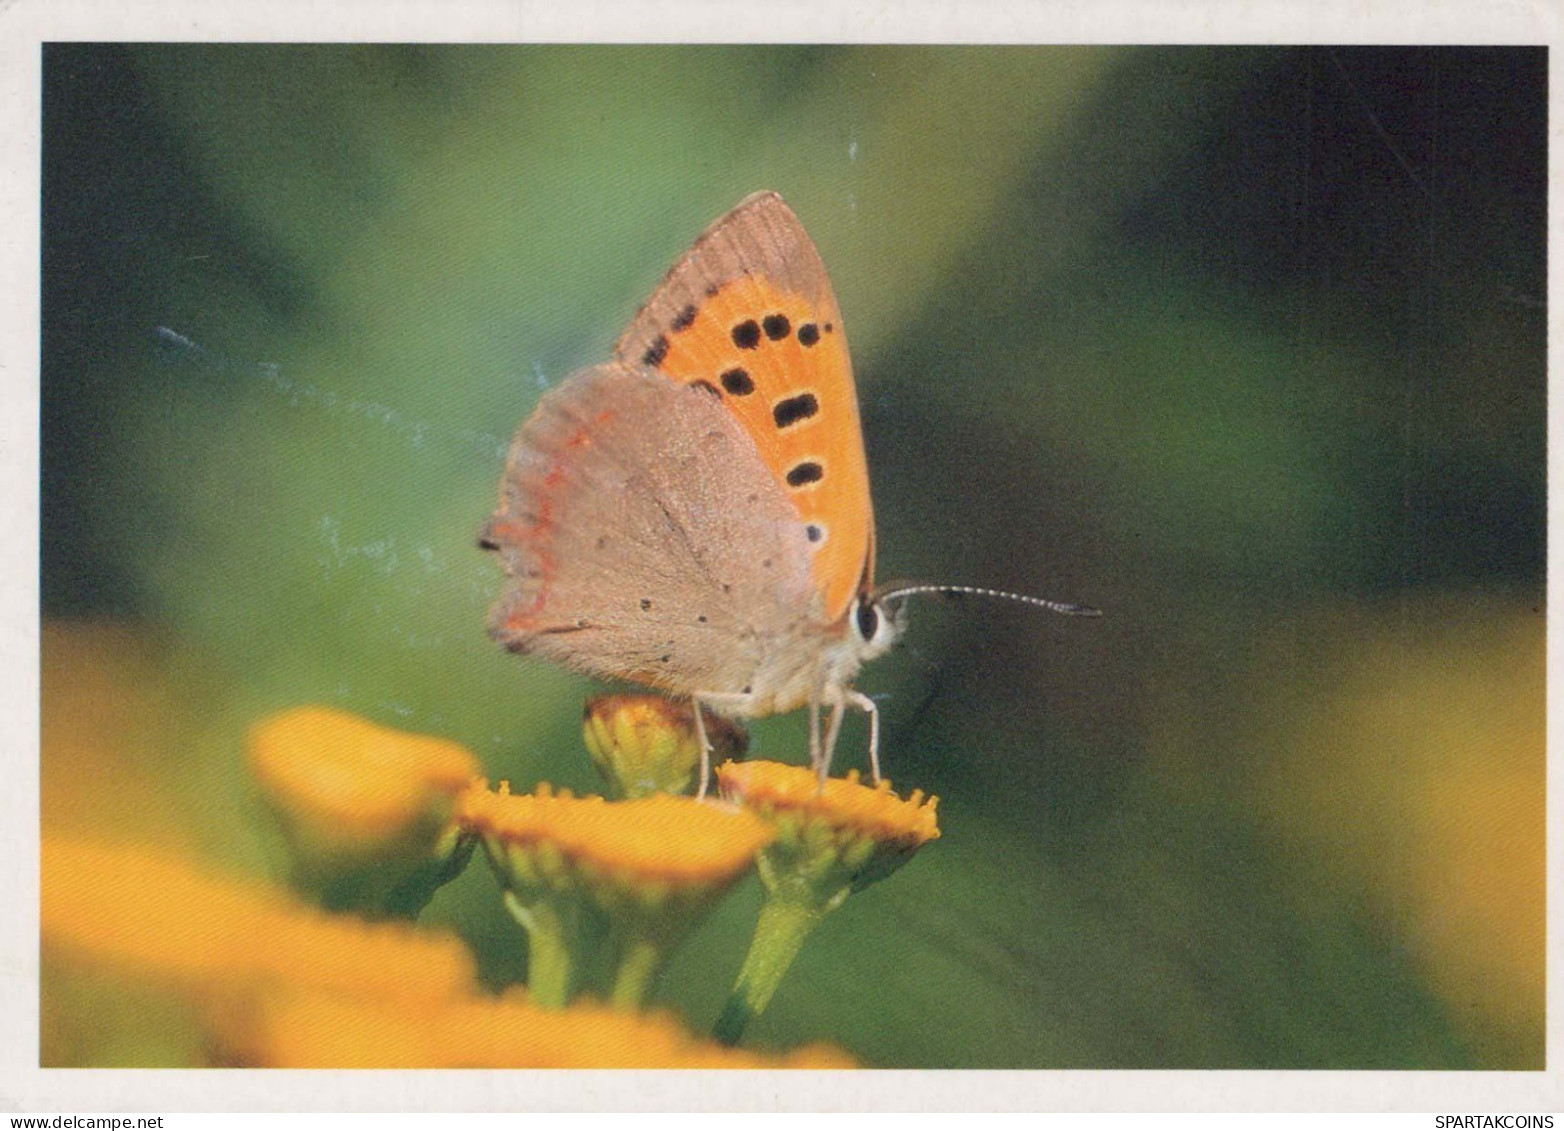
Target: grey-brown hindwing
point(643, 537)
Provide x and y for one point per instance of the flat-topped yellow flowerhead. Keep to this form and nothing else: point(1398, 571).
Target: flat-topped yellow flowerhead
point(867, 832)
point(645, 851)
point(317, 1030)
point(366, 809)
point(578, 869)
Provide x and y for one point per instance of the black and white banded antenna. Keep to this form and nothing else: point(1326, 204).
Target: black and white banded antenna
point(897, 590)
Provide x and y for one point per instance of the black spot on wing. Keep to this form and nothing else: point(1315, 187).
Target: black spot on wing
point(656, 351)
point(746, 335)
point(802, 474)
point(794, 409)
point(738, 382)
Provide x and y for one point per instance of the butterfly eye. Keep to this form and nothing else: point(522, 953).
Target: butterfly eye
point(875, 626)
point(868, 621)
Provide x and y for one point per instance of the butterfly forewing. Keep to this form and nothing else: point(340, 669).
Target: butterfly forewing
point(749, 317)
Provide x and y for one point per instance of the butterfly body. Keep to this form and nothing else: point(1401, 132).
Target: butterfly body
point(695, 514)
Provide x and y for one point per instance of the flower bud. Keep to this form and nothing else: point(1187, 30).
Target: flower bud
point(645, 744)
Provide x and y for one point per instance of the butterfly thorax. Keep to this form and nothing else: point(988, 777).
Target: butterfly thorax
point(817, 667)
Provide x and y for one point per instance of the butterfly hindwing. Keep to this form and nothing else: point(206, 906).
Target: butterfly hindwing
point(749, 315)
point(644, 538)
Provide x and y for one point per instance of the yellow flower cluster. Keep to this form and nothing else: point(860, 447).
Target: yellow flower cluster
point(376, 819)
point(283, 985)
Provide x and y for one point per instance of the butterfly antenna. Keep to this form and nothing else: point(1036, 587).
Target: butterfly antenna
point(1066, 608)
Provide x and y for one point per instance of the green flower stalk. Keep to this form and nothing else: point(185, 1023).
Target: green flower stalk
point(833, 838)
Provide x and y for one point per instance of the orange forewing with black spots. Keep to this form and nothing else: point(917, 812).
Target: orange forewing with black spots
point(749, 316)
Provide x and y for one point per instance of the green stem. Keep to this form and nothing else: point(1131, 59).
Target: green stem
point(640, 958)
point(783, 926)
point(549, 969)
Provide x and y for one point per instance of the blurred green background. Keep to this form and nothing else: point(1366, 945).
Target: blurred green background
point(1244, 346)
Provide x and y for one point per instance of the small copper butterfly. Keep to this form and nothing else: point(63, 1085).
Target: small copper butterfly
point(695, 515)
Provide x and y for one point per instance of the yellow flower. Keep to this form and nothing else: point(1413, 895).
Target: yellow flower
point(849, 808)
point(366, 809)
point(352, 780)
point(136, 939)
point(155, 918)
point(646, 850)
point(317, 1030)
point(833, 838)
point(645, 744)
point(839, 829)
point(576, 867)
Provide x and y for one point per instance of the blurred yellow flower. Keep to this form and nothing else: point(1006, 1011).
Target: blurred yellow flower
point(319, 1030)
point(347, 779)
point(366, 809)
point(137, 913)
point(135, 935)
point(1410, 754)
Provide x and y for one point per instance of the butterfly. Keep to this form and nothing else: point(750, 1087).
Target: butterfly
point(695, 514)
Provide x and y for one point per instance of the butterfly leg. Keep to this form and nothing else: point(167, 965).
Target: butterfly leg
point(714, 700)
point(838, 709)
point(866, 705)
point(839, 704)
point(700, 735)
point(814, 735)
